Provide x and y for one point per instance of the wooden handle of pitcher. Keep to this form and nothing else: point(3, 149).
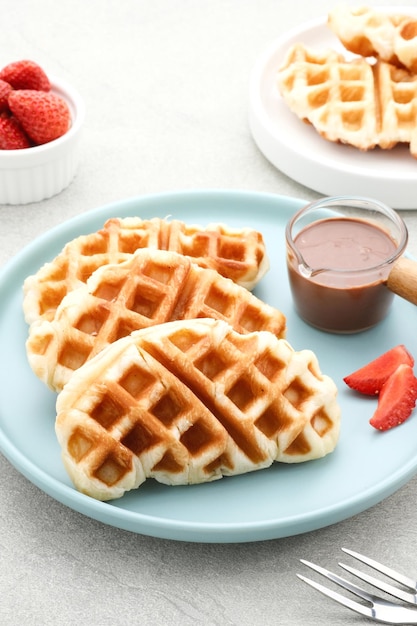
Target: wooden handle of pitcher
point(402, 279)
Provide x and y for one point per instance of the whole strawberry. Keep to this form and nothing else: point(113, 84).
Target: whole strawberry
point(5, 89)
point(25, 75)
point(44, 116)
point(12, 136)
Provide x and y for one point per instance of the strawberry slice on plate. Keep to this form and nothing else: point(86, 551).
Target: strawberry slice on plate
point(370, 378)
point(396, 400)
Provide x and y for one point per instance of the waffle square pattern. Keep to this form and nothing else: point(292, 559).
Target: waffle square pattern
point(151, 287)
point(238, 254)
point(355, 102)
point(371, 32)
point(191, 401)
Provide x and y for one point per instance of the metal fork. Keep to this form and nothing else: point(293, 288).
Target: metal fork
point(376, 608)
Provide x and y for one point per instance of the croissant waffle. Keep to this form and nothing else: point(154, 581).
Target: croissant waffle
point(189, 401)
point(370, 32)
point(352, 102)
point(238, 254)
point(151, 288)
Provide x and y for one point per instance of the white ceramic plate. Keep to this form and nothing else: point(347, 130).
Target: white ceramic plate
point(298, 151)
point(283, 500)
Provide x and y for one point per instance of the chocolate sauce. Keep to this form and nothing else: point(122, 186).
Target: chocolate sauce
point(339, 284)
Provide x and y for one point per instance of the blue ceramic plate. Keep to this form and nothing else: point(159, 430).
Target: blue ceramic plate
point(283, 500)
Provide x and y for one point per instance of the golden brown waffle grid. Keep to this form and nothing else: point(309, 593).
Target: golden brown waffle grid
point(371, 32)
point(191, 401)
point(351, 102)
point(236, 254)
point(152, 287)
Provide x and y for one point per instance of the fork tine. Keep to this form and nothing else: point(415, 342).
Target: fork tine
point(388, 571)
point(381, 585)
point(342, 582)
point(347, 602)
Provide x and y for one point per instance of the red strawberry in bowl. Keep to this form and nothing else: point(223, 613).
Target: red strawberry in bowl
point(25, 75)
point(5, 89)
point(12, 135)
point(44, 116)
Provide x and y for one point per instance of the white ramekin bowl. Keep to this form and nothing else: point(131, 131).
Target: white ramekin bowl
point(40, 172)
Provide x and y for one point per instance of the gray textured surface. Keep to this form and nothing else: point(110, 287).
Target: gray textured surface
point(166, 90)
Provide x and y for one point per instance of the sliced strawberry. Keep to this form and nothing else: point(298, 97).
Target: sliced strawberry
point(370, 378)
point(43, 116)
point(397, 399)
point(12, 136)
point(5, 89)
point(25, 75)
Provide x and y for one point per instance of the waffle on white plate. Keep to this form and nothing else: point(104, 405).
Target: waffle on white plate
point(372, 32)
point(238, 254)
point(351, 101)
point(191, 401)
point(151, 287)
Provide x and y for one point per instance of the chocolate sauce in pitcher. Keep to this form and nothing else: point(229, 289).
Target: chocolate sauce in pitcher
point(337, 276)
